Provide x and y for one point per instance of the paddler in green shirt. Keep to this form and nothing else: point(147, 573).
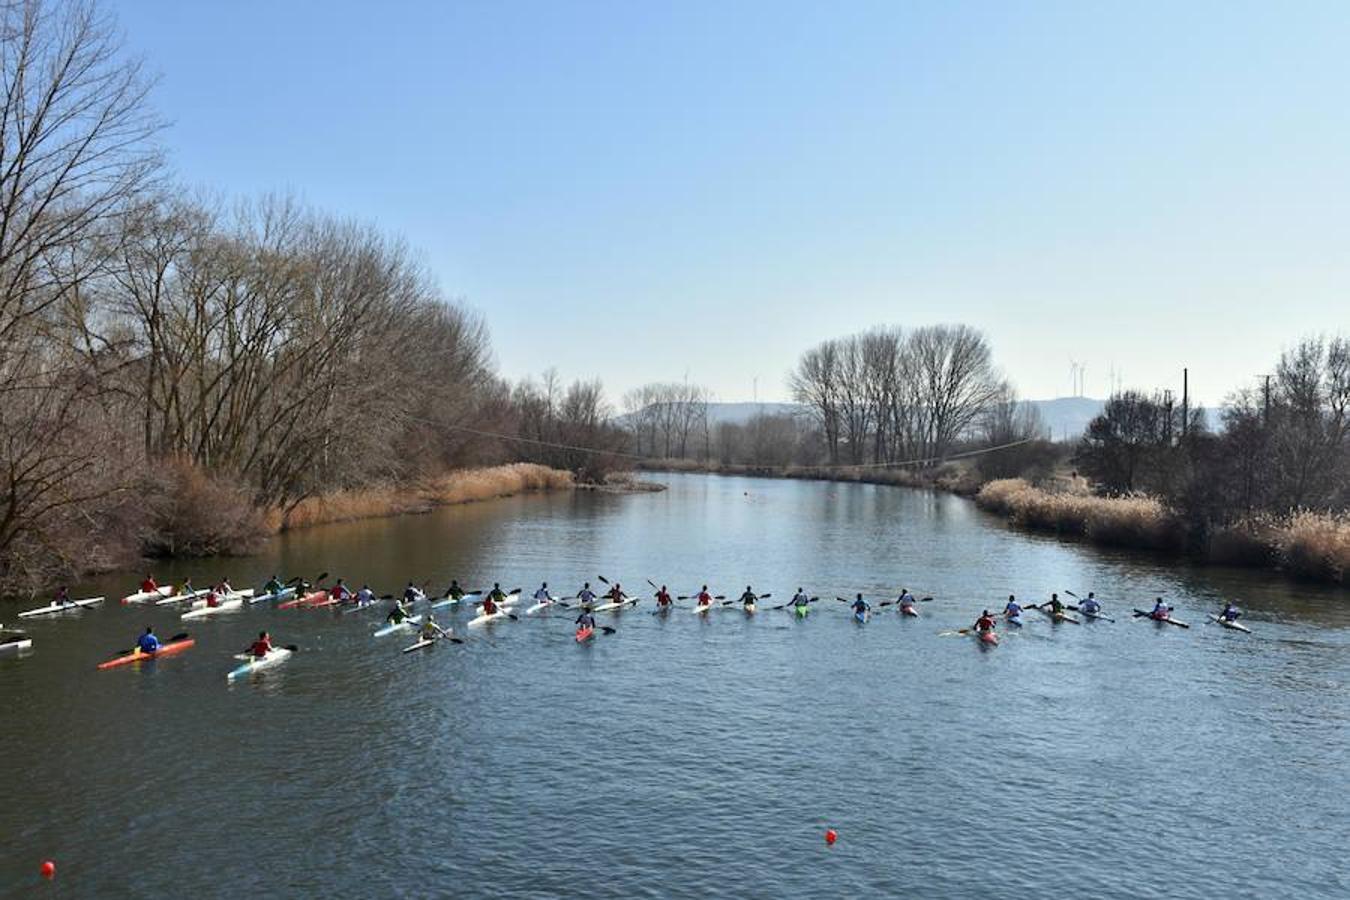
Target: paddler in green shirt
point(273, 586)
point(454, 591)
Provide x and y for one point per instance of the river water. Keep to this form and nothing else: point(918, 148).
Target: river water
point(686, 756)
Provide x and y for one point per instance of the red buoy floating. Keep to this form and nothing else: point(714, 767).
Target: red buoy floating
point(48, 869)
point(831, 836)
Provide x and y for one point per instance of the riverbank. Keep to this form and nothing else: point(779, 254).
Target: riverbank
point(450, 489)
point(1307, 545)
point(952, 478)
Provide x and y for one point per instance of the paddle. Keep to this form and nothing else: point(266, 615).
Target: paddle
point(653, 584)
point(793, 602)
point(695, 596)
point(1091, 615)
point(447, 635)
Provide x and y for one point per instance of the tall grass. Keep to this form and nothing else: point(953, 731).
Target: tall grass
point(1134, 521)
point(464, 486)
point(1316, 545)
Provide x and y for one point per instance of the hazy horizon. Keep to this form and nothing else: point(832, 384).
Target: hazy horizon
point(641, 192)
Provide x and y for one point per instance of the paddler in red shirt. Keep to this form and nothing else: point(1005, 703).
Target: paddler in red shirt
point(148, 586)
point(704, 598)
point(262, 646)
point(662, 597)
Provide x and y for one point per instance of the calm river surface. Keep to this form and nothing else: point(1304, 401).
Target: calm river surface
point(692, 757)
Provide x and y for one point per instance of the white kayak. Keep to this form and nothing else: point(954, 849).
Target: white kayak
point(158, 593)
point(282, 594)
point(410, 622)
point(511, 599)
point(455, 601)
point(540, 606)
point(53, 608)
point(183, 598)
point(485, 618)
point(233, 602)
point(616, 604)
point(1236, 626)
point(12, 643)
point(698, 610)
point(275, 657)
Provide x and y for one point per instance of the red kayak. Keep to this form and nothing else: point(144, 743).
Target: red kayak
point(313, 598)
point(989, 638)
point(584, 634)
point(136, 655)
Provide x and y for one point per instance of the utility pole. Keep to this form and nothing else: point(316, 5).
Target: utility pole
point(1185, 403)
point(1167, 420)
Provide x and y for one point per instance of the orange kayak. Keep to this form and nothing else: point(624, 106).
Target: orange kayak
point(989, 638)
point(584, 634)
point(313, 598)
point(136, 655)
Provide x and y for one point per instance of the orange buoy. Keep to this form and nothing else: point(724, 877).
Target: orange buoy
point(48, 869)
point(831, 836)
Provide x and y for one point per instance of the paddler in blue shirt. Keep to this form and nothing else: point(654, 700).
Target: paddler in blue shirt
point(1013, 611)
point(800, 599)
point(1160, 610)
point(410, 593)
point(586, 595)
point(1090, 605)
point(1230, 612)
point(585, 620)
point(860, 606)
point(906, 600)
point(148, 643)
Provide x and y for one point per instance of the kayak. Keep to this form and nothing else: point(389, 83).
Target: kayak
point(539, 606)
point(330, 599)
point(663, 608)
point(275, 657)
point(510, 599)
point(988, 638)
point(485, 618)
point(1058, 617)
point(702, 609)
point(183, 598)
point(861, 617)
point(452, 601)
point(52, 608)
point(801, 611)
point(309, 599)
point(424, 642)
point(750, 609)
point(1161, 620)
point(1090, 615)
point(12, 643)
point(142, 596)
point(137, 655)
point(233, 603)
point(585, 634)
point(616, 605)
point(1015, 621)
point(909, 610)
point(392, 627)
point(1236, 626)
point(283, 594)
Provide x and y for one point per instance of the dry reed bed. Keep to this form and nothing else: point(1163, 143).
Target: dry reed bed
point(1312, 545)
point(465, 486)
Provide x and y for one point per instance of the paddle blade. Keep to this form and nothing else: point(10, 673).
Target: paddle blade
point(603, 578)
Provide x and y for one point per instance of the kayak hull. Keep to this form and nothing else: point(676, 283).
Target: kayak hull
point(14, 648)
point(393, 627)
point(585, 634)
point(988, 639)
point(136, 656)
point(56, 608)
point(1236, 626)
point(909, 611)
point(276, 657)
point(158, 593)
point(452, 601)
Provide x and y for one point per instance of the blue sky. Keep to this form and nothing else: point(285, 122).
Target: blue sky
point(643, 191)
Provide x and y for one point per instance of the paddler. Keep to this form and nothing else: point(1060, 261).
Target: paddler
point(749, 598)
point(542, 595)
point(1230, 612)
point(586, 595)
point(1055, 605)
point(430, 631)
point(906, 599)
point(397, 614)
point(1160, 611)
point(454, 591)
point(1090, 605)
point(493, 600)
point(586, 619)
point(799, 599)
point(663, 598)
point(365, 596)
point(273, 586)
point(149, 586)
point(62, 597)
point(615, 593)
point(262, 646)
point(704, 598)
point(339, 592)
point(1012, 609)
point(860, 606)
point(984, 623)
point(410, 593)
point(148, 643)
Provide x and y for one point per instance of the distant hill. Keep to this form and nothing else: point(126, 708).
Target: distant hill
point(1065, 417)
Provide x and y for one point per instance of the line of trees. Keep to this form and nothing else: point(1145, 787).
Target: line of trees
point(1282, 447)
